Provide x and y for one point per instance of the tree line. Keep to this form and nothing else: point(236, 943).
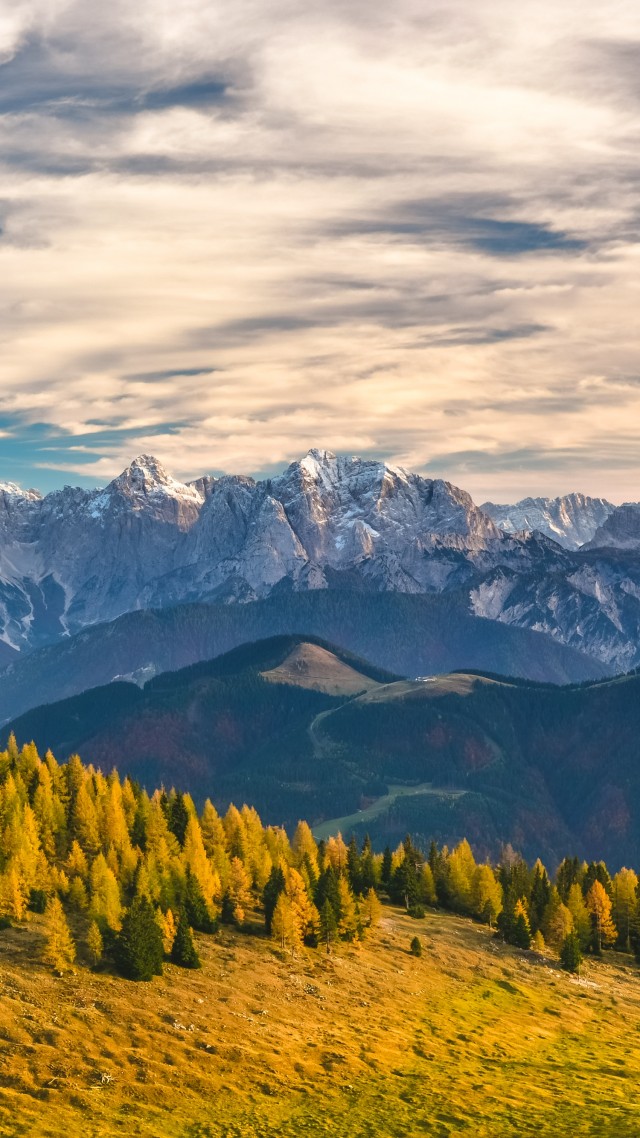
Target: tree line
point(124, 877)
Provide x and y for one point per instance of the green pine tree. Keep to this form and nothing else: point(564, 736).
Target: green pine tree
point(138, 948)
point(184, 951)
point(272, 890)
point(328, 924)
point(416, 946)
point(196, 908)
point(571, 953)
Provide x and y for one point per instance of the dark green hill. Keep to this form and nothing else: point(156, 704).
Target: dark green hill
point(549, 769)
point(411, 635)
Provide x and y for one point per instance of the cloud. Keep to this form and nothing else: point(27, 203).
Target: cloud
point(230, 233)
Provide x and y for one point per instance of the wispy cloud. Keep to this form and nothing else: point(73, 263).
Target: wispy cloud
point(229, 233)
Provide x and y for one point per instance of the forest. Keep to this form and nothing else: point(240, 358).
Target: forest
point(123, 878)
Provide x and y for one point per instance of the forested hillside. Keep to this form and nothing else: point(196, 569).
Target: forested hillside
point(295, 985)
point(546, 768)
point(408, 634)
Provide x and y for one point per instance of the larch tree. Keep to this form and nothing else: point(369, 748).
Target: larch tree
point(485, 898)
point(239, 890)
point(303, 845)
point(598, 903)
point(557, 921)
point(95, 944)
point(105, 905)
point(59, 950)
point(625, 885)
point(282, 923)
point(581, 916)
point(371, 909)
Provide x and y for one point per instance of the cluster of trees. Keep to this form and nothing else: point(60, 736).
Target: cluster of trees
point(128, 876)
point(583, 909)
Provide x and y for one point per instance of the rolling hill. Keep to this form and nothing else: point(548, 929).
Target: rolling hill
point(409, 634)
point(277, 723)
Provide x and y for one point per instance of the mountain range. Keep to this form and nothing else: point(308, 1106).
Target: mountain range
point(302, 729)
point(79, 560)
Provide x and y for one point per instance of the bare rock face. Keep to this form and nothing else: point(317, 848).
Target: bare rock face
point(620, 530)
point(571, 520)
point(78, 557)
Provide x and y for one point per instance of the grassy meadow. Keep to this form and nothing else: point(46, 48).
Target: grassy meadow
point(473, 1038)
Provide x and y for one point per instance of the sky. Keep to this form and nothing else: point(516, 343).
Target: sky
point(231, 232)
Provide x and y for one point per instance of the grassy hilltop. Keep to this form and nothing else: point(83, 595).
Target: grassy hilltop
point(473, 1038)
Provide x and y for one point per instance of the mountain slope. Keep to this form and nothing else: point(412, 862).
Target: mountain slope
point(549, 769)
point(77, 558)
point(409, 634)
point(366, 1041)
point(571, 520)
point(620, 530)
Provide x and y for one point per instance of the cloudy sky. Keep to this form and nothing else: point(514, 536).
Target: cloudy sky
point(229, 232)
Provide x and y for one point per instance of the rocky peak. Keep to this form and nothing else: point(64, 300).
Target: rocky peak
point(146, 478)
point(620, 530)
point(12, 490)
point(570, 520)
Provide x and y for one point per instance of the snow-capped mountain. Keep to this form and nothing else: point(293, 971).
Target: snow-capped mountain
point(78, 557)
point(572, 520)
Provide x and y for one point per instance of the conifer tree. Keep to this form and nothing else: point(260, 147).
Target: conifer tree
point(183, 950)
point(303, 911)
point(461, 869)
point(486, 895)
point(239, 890)
point(386, 869)
point(571, 953)
point(84, 821)
point(557, 921)
point(404, 887)
point(625, 886)
point(521, 932)
point(77, 895)
point(95, 944)
point(14, 899)
point(282, 923)
point(197, 910)
point(105, 905)
point(569, 873)
point(348, 919)
point(416, 946)
point(597, 871)
point(580, 913)
point(540, 895)
point(327, 889)
point(272, 890)
point(196, 858)
point(177, 816)
point(353, 865)
point(537, 942)
point(328, 924)
point(167, 923)
point(599, 905)
point(138, 948)
point(303, 846)
point(59, 951)
point(371, 909)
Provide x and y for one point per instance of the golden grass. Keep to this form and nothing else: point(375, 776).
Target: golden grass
point(474, 1038)
point(310, 666)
